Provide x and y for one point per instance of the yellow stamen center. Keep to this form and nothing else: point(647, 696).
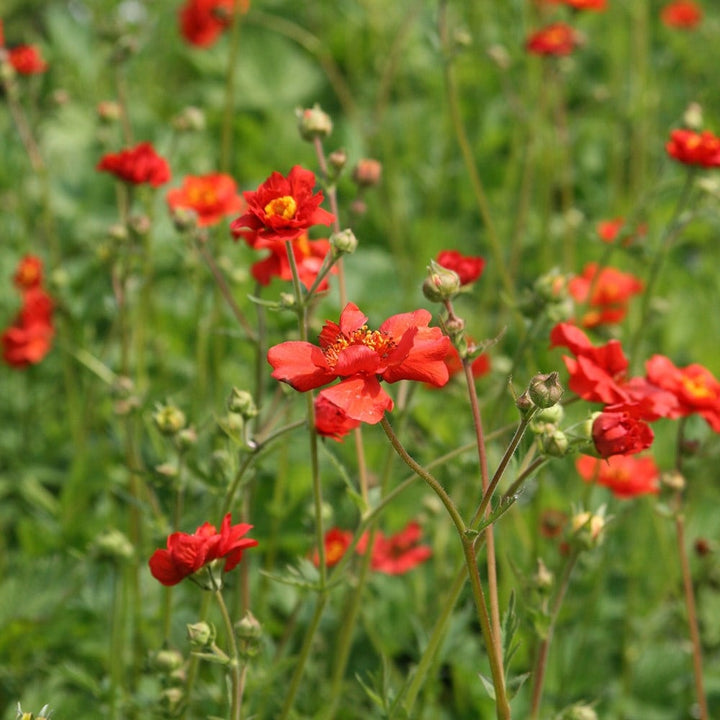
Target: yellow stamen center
point(697, 387)
point(284, 206)
point(381, 343)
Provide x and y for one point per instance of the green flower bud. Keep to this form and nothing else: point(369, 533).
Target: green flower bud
point(579, 712)
point(441, 283)
point(555, 444)
point(201, 635)
point(167, 661)
point(338, 160)
point(343, 243)
point(242, 403)
point(170, 698)
point(314, 123)
point(113, 545)
point(545, 389)
point(168, 419)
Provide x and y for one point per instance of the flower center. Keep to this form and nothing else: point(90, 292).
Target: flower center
point(696, 387)
point(381, 343)
point(202, 195)
point(334, 551)
point(284, 206)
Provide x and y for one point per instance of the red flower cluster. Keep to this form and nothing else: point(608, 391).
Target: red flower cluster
point(211, 196)
point(683, 14)
point(469, 268)
point(394, 555)
point(555, 39)
point(403, 348)
point(203, 21)
point(137, 165)
point(186, 554)
point(608, 230)
point(28, 340)
point(611, 290)
point(693, 148)
point(27, 60)
point(626, 477)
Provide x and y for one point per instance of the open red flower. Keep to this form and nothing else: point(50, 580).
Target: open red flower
point(683, 14)
point(337, 542)
point(694, 148)
point(137, 165)
point(618, 430)
point(403, 348)
point(694, 387)
point(469, 268)
point(608, 231)
point(203, 21)
point(399, 553)
point(211, 196)
point(596, 5)
point(331, 420)
point(555, 39)
point(611, 290)
point(626, 476)
point(187, 553)
point(282, 208)
point(29, 273)
point(27, 60)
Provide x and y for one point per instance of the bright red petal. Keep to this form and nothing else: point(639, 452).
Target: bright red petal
point(361, 398)
point(300, 364)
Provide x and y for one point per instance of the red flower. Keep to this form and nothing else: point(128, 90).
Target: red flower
point(618, 430)
point(681, 14)
point(404, 348)
point(309, 257)
point(611, 290)
point(137, 165)
point(28, 274)
point(555, 39)
point(202, 21)
point(186, 554)
point(468, 268)
point(397, 554)
point(627, 476)
point(596, 5)
point(693, 148)
point(331, 420)
point(694, 387)
point(211, 196)
point(608, 230)
point(337, 542)
point(25, 345)
point(281, 209)
point(27, 60)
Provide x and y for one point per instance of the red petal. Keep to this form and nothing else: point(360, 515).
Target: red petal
point(361, 398)
point(300, 364)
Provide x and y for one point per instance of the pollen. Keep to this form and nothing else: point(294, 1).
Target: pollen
point(697, 387)
point(284, 206)
point(380, 342)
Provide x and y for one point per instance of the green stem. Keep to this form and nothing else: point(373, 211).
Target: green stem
point(229, 110)
point(234, 665)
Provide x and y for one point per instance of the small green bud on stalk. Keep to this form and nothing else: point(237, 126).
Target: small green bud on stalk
point(586, 529)
point(338, 160)
point(242, 403)
point(168, 419)
point(314, 123)
point(201, 635)
point(249, 632)
point(545, 389)
point(441, 284)
point(167, 661)
point(343, 243)
point(555, 444)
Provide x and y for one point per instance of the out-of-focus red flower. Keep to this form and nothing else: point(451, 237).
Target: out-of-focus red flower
point(618, 430)
point(2, 35)
point(211, 196)
point(596, 5)
point(29, 273)
point(331, 420)
point(137, 165)
point(309, 257)
point(27, 60)
point(625, 475)
point(24, 345)
point(555, 39)
point(337, 542)
point(694, 148)
point(694, 387)
point(608, 231)
point(469, 268)
point(203, 21)
point(611, 289)
point(403, 348)
point(683, 14)
point(187, 553)
point(282, 208)
point(480, 365)
point(398, 553)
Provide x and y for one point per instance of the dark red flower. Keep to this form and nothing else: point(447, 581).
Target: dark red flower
point(683, 14)
point(611, 290)
point(203, 21)
point(694, 148)
point(694, 387)
point(331, 420)
point(186, 554)
point(469, 268)
point(337, 542)
point(211, 196)
point(27, 60)
point(618, 430)
point(29, 273)
point(398, 553)
point(282, 208)
point(403, 348)
point(555, 39)
point(626, 475)
point(137, 165)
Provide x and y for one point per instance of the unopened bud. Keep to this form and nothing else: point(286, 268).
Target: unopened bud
point(545, 389)
point(314, 123)
point(184, 219)
point(108, 111)
point(117, 232)
point(113, 545)
point(169, 419)
point(201, 634)
point(189, 119)
point(367, 172)
point(587, 529)
point(693, 116)
point(140, 224)
point(579, 712)
point(524, 403)
point(186, 438)
point(171, 697)
point(554, 444)
point(338, 159)
point(441, 283)
point(343, 242)
point(242, 403)
point(167, 661)
point(543, 579)
point(673, 480)
point(249, 632)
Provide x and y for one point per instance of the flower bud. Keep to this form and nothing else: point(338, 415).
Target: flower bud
point(673, 480)
point(620, 433)
point(524, 403)
point(140, 224)
point(167, 661)
point(117, 232)
point(581, 711)
point(186, 438)
point(314, 123)
point(441, 283)
point(168, 419)
point(543, 579)
point(242, 403)
point(587, 529)
point(184, 219)
point(201, 634)
point(189, 119)
point(338, 160)
point(171, 697)
point(249, 632)
point(108, 111)
point(693, 116)
point(367, 172)
point(343, 243)
point(554, 444)
point(113, 545)
point(545, 389)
